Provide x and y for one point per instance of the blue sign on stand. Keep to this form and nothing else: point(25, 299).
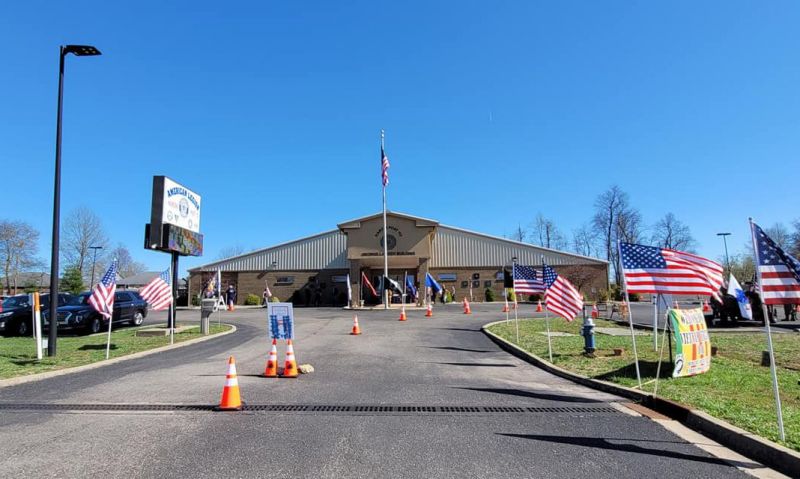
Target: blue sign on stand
point(281, 320)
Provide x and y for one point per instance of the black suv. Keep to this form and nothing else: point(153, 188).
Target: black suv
point(78, 315)
point(16, 317)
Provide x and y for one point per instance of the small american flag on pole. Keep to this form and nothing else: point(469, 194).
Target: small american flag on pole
point(649, 269)
point(102, 298)
point(779, 271)
point(527, 280)
point(561, 297)
point(384, 167)
point(158, 292)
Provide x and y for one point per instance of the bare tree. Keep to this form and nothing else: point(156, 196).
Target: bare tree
point(780, 235)
point(583, 240)
point(82, 229)
point(580, 275)
point(548, 233)
point(18, 246)
point(231, 251)
point(795, 243)
point(615, 220)
point(126, 265)
point(670, 232)
point(518, 235)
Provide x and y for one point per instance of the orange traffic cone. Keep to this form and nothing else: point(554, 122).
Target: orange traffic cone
point(706, 307)
point(231, 400)
point(402, 313)
point(290, 366)
point(466, 307)
point(539, 306)
point(271, 370)
point(595, 312)
point(356, 330)
point(505, 308)
point(429, 311)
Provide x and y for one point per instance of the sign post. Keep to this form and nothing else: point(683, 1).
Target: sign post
point(37, 324)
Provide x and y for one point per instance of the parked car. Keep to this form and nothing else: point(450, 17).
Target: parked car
point(16, 318)
point(78, 315)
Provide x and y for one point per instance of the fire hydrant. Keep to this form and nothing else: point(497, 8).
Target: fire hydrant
point(588, 335)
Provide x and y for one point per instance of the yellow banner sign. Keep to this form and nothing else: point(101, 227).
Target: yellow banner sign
point(692, 343)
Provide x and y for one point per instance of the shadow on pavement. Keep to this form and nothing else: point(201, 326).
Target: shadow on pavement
point(453, 348)
point(460, 329)
point(94, 347)
point(533, 395)
point(646, 368)
point(488, 365)
point(603, 443)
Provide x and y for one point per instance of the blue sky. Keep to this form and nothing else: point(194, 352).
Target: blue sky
point(493, 112)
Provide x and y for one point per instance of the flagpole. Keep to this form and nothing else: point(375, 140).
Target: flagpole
point(655, 322)
point(505, 298)
point(171, 310)
point(630, 319)
point(385, 233)
point(403, 297)
point(111, 319)
point(547, 323)
point(772, 366)
point(516, 317)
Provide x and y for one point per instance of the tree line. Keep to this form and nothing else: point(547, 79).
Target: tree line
point(82, 229)
point(616, 219)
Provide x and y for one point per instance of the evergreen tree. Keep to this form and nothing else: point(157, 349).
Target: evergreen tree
point(72, 281)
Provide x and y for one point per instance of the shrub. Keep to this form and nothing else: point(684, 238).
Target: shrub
point(274, 299)
point(535, 298)
point(511, 295)
point(602, 295)
point(195, 300)
point(448, 296)
point(252, 300)
point(489, 295)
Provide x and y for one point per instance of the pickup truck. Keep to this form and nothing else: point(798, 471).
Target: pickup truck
point(78, 315)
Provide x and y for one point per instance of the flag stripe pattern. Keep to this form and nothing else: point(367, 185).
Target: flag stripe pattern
point(384, 168)
point(527, 280)
point(102, 298)
point(561, 297)
point(649, 269)
point(780, 271)
point(369, 285)
point(158, 292)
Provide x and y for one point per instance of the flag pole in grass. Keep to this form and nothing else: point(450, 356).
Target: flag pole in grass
point(630, 318)
point(516, 317)
point(547, 325)
point(772, 366)
point(102, 299)
point(384, 181)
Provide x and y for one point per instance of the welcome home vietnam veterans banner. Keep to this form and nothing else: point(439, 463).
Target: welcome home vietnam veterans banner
point(692, 343)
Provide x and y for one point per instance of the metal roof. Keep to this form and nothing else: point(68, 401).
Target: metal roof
point(322, 251)
point(460, 248)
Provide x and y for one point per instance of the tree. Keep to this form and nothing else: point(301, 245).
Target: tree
point(548, 234)
point(795, 243)
point(743, 266)
point(583, 240)
point(126, 265)
point(780, 235)
point(18, 246)
point(670, 232)
point(614, 219)
point(231, 251)
point(72, 281)
point(82, 229)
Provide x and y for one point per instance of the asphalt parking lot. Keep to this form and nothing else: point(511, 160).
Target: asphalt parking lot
point(443, 370)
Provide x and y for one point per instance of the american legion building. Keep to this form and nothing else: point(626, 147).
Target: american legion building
point(314, 270)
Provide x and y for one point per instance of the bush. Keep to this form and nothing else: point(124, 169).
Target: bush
point(195, 300)
point(602, 295)
point(535, 298)
point(489, 295)
point(448, 296)
point(252, 300)
point(511, 295)
point(274, 299)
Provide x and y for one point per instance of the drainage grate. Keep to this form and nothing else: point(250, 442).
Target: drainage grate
point(318, 409)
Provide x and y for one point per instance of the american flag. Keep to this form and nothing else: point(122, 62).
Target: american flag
point(649, 269)
point(384, 167)
point(561, 297)
point(158, 293)
point(102, 298)
point(780, 271)
point(527, 280)
point(369, 285)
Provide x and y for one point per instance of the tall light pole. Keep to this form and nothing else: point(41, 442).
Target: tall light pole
point(64, 50)
point(94, 260)
point(725, 241)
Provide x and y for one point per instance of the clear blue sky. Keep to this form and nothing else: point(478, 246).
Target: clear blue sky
point(493, 111)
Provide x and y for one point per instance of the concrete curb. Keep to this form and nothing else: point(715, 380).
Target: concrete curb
point(61, 372)
point(745, 443)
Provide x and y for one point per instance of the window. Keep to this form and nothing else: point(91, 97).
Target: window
point(284, 280)
point(476, 276)
point(487, 284)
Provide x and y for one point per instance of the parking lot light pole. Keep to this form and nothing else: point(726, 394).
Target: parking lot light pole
point(725, 241)
point(64, 50)
point(94, 261)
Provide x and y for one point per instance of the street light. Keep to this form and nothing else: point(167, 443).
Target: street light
point(64, 50)
point(94, 260)
point(725, 241)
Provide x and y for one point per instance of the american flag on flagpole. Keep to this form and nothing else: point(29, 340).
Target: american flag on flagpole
point(649, 269)
point(561, 297)
point(779, 271)
point(527, 280)
point(369, 285)
point(384, 167)
point(102, 298)
point(158, 292)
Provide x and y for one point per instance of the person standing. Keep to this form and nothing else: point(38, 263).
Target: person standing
point(265, 298)
point(230, 295)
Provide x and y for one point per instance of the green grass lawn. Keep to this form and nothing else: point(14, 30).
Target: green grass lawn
point(18, 355)
point(737, 388)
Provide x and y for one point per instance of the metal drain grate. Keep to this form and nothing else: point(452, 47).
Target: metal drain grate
point(319, 408)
